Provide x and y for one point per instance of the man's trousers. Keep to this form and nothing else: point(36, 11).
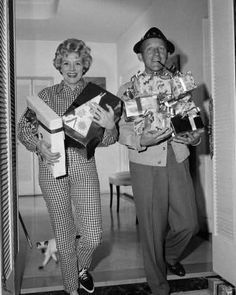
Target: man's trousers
point(167, 215)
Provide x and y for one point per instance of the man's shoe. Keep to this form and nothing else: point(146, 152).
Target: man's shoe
point(177, 269)
point(86, 280)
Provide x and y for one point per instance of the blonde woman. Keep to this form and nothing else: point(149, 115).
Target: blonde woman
point(80, 186)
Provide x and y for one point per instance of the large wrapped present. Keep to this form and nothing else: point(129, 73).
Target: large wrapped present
point(78, 119)
point(50, 129)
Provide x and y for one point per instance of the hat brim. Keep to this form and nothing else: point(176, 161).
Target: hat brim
point(169, 46)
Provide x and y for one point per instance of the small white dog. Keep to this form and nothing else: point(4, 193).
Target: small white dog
point(49, 249)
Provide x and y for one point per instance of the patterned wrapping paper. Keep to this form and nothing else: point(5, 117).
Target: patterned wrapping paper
point(80, 119)
point(153, 100)
point(182, 84)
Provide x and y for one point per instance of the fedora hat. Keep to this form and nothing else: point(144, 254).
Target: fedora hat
point(154, 33)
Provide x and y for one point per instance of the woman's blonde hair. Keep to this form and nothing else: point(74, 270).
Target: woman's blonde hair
point(73, 46)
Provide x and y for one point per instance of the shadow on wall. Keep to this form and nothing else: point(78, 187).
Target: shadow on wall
point(201, 98)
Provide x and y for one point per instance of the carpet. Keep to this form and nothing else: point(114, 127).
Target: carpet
point(182, 285)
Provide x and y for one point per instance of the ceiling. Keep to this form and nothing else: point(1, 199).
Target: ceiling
point(90, 20)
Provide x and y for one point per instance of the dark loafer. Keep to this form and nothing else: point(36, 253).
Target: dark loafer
point(177, 269)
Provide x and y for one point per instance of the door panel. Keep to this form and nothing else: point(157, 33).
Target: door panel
point(224, 127)
point(25, 158)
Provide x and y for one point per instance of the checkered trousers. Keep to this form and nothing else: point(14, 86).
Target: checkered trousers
point(80, 187)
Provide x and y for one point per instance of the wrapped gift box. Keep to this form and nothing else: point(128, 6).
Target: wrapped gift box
point(80, 119)
point(186, 116)
point(50, 128)
point(139, 105)
point(187, 123)
point(78, 123)
point(144, 85)
point(182, 84)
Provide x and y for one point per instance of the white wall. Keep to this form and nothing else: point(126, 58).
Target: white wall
point(35, 59)
point(182, 22)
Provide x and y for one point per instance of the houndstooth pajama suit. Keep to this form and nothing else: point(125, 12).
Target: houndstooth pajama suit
point(80, 187)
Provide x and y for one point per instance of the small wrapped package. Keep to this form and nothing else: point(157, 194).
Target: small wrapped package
point(139, 105)
point(182, 124)
point(78, 123)
point(182, 83)
point(50, 129)
point(185, 116)
point(144, 85)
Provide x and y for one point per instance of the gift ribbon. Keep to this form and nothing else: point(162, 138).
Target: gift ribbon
point(49, 130)
point(182, 84)
point(192, 123)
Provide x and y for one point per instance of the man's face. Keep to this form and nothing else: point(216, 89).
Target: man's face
point(153, 51)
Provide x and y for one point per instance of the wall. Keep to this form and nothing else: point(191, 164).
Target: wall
point(182, 22)
point(34, 58)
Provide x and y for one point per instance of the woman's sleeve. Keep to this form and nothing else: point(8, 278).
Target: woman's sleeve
point(27, 128)
point(110, 136)
point(26, 133)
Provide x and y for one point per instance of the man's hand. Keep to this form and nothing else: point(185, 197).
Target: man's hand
point(192, 137)
point(44, 150)
point(149, 138)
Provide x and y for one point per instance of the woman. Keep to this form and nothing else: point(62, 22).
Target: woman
point(80, 185)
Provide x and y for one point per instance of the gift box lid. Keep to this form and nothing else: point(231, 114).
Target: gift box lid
point(91, 91)
point(45, 115)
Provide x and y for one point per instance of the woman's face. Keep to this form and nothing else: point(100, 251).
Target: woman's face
point(72, 69)
point(153, 51)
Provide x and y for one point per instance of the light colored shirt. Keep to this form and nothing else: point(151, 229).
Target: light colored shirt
point(152, 155)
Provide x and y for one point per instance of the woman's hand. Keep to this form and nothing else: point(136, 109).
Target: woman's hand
point(193, 137)
point(44, 150)
point(102, 117)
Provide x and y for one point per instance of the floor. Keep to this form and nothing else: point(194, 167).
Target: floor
point(117, 261)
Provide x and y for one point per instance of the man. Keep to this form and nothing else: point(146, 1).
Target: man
point(161, 181)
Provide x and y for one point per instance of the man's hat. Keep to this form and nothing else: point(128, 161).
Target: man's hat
point(154, 33)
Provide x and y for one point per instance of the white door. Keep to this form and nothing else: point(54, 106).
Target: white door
point(28, 161)
point(224, 125)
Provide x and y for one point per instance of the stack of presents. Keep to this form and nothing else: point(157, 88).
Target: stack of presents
point(161, 103)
